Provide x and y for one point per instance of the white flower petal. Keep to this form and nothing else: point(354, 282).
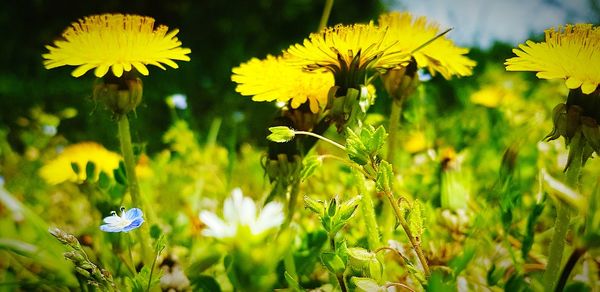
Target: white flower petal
point(215, 226)
point(271, 216)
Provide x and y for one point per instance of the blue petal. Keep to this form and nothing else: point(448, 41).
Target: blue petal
point(110, 228)
point(133, 214)
point(135, 224)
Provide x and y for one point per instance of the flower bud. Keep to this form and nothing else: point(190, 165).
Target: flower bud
point(119, 95)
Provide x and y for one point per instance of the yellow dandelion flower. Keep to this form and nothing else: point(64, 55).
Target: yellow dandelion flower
point(441, 55)
point(60, 169)
point(118, 42)
point(274, 78)
point(570, 52)
point(348, 51)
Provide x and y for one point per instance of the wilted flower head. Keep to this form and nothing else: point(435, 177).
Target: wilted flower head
point(61, 168)
point(129, 220)
point(570, 52)
point(240, 213)
point(275, 79)
point(116, 41)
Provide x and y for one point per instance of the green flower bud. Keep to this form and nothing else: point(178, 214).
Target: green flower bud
point(281, 134)
point(316, 206)
point(120, 95)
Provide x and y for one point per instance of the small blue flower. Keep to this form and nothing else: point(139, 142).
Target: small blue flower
point(129, 220)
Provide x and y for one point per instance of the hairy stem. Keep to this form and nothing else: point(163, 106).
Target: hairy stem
point(413, 241)
point(368, 212)
point(127, 151)
point(561, 224)
point(393, 130)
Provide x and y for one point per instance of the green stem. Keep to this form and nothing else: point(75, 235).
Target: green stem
point(368, 212)
point(132, 182)
point(563, 215)
point(413, 241)
point(127, 151)
point(325, 15)
point(336, 144)
point(295, 189)
point(393, 130)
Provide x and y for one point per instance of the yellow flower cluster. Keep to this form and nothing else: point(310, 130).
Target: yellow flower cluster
point(60, 169)
point(571, 53)
point(342, 55)
point(118, 42)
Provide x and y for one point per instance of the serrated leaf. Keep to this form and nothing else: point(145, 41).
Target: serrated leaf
point(385, 176)
point(376, 140)
point(415, 219)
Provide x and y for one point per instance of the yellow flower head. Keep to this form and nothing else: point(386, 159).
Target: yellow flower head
point(441, 55)
point(571, 52)
point(60, 169)
point(274, 78)
point(118, 42)
point(348, 51)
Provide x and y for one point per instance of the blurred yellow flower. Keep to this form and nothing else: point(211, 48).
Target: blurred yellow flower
point(570, 52)
point(415, 142)
point(274, 78)
point(60, 169)
point(143, 169)
point(116, 41)
point(441, 55)
point(348, 51)
point(492, 96)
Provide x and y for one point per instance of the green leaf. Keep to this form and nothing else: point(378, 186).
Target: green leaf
point(204, 283)
point(104, 181)
point(75, 167)
point(415, 219)
point(333, 262)
point(564, 193)
point(309, 165)
point(355, 148)
point(90, 171)
point(527, 242)
point(460, 262)
point(367, 285)
point(376, 140)
point(292, 283)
